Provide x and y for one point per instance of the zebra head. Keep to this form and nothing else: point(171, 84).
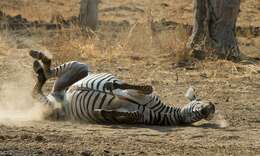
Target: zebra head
point(205, 108)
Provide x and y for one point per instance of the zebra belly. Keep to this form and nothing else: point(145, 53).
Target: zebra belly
point(81, 105)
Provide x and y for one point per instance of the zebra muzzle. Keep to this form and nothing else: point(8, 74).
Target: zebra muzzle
point(209, 111)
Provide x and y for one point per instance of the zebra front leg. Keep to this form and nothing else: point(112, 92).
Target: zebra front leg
point(120, 117)
point(146, 89)
point(121, 111)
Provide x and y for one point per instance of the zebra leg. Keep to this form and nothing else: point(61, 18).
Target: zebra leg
point(75, 71)
point(54, 113)
point(197, 110)
point(41, 79)
point(67, 73)
point(120, 117)
point(124, 86)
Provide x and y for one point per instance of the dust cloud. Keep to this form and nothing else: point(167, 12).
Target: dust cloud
point(220, 120)
point(17, 82)
point(16, 102)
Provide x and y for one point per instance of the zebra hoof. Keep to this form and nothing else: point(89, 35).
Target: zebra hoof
point(208, 111)
point(141, 89)
point(35, 54)
point(147, 89)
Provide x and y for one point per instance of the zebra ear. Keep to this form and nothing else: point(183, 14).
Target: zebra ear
point(190, 94)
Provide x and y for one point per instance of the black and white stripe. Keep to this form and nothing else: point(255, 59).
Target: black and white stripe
point(89, 95)
point(62, 69)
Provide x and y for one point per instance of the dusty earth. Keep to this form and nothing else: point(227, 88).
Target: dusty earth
point(125, 47)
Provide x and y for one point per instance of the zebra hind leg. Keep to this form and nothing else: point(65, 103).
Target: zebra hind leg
point(53, 113)
point(67, 73)
point(120, 117)
point(146, 89)
point(41, 79)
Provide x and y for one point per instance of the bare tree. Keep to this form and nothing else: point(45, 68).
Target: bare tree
point(88, 16)
point(214, 27)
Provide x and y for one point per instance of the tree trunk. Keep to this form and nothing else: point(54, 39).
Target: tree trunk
point(88, 16)
point(214, 27)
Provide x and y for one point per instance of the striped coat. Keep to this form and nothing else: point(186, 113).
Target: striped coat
point(102, 98)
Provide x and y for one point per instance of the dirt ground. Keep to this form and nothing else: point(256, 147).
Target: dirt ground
point(125, 46)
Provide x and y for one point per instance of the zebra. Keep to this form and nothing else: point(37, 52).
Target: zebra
point(85, 96)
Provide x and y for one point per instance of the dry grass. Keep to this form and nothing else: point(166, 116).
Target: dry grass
point(6, 42)
point(137, 40)
point(136, 43)
point(3, 44)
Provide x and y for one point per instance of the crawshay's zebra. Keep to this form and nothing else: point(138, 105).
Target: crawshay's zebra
point(79, 94)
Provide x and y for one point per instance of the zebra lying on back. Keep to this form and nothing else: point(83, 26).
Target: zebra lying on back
point(79, 94)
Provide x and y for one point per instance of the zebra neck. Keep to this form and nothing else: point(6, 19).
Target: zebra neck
point(165, 114)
